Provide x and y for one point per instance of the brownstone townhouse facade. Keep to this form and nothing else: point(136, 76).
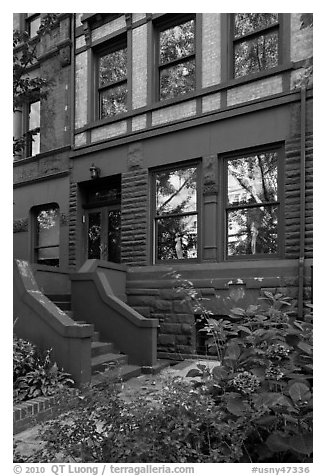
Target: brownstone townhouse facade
point(171, 142)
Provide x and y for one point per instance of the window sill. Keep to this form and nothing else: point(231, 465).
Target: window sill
point(231, 83)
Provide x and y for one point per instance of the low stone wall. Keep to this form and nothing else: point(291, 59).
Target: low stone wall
point(151, 291)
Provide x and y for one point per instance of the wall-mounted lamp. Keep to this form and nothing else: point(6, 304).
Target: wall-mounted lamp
point(95, 171)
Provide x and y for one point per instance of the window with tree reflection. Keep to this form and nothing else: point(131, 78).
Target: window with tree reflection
point(176, 214)
point(252, 211)
point(177, 69)
point(46, 241)
point(112, 83)
point(255, 42)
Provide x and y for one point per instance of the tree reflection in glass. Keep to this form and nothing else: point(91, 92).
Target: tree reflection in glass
point(176, 59)
point(176, 214)
point(256, 42)
point(252, 210)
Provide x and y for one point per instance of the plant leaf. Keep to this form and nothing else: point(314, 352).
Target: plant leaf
point(277, 442)
point(194, 373)
point(298, 391)
point(302, 444)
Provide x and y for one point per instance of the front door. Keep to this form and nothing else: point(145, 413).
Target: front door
point(103, 233)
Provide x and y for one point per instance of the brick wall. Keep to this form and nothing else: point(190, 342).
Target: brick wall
point(139, 67)
point(55, 111)
point(211, 49)
point(81, 90)
point(134, 208)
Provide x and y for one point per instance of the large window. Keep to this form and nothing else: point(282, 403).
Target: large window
point(176, 59)
point(33, 129)
point(176, 214)
point(47, 235)
point(112, 81)
point(255, 42)
point(252, 204)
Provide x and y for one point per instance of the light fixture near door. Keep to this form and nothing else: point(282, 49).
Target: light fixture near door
point(95, 171)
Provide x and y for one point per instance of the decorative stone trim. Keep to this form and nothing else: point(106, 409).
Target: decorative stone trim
point(20, 224)
point(210, 185)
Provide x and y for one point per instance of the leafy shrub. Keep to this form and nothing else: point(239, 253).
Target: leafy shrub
point(34, 373)
point(182, 425)
point(264, 379)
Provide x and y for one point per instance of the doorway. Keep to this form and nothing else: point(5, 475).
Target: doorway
point(103, 221)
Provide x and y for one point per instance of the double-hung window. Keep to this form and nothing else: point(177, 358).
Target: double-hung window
point(255, 42)
point(252, 204)
point(176, 59)
point(47, 235)
point(176, 213)
point(112, 81)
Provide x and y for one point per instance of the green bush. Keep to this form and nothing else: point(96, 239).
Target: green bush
point(34, 374)
point(264, 379)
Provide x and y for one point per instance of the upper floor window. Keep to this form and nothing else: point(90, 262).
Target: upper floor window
point(252, 204)
point(177, 62)
point(255, 42)
point(47, 235)
point(33, 129)
point(112, 82)
point(33, 23)
point(176, 213)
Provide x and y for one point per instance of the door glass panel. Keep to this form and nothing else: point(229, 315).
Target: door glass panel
point(114, 245)
point(94, 235)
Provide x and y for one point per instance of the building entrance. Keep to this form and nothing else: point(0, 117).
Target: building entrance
point(103, 221)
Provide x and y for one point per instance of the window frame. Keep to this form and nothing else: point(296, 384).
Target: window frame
point(155, 217)
point(35, 233)
point(113, 45)
point(279, 203)
point(278, 26)
point(28, 151)
point(164, 23)
point(30, 17)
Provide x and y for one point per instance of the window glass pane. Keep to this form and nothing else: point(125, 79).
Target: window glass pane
point(176, 191)
point(177, 237)
point(47, 236)
point(33, 26)
point(177, 42)
point(94, 235)
point(177, 79)
point(34, 115)
point(253, 179)
point(48, 227)
point(33, 140)
point(245, 23)
point(114, 243)
point(113, 67)
point(257, 54)
point(113, 101)
point(252, 231)
point(111, 195)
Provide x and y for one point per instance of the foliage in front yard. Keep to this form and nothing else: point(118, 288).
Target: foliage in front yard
point(254, 406)
point(34, 374)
